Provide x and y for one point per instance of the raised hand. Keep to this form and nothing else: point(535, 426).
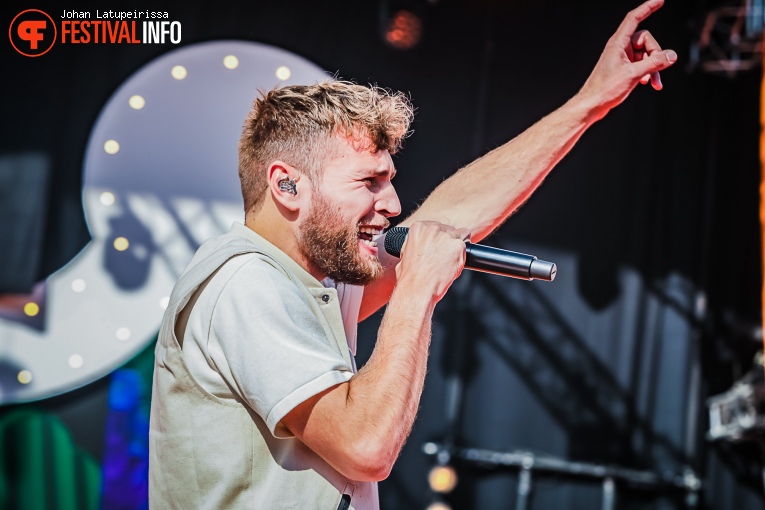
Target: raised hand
point(630, 57)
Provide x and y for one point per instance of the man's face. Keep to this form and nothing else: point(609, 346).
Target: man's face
point(350, 206)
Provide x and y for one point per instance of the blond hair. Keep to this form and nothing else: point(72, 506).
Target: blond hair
point(299, 124)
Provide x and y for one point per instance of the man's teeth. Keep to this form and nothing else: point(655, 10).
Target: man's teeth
point(373, 231)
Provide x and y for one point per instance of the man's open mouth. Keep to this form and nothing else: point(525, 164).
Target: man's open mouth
point(368, 233)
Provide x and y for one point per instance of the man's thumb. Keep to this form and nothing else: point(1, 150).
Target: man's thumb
point(657, 61)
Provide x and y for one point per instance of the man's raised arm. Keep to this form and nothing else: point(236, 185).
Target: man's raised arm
point(483, 194)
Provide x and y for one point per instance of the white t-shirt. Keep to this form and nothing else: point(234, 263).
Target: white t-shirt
point(262, 336)
point(284, 363)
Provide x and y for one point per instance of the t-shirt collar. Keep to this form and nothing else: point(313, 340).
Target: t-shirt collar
point(272, 251)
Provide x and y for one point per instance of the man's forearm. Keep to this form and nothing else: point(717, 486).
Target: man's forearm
point(483, 194)
point(385, 394)
point(359, 426)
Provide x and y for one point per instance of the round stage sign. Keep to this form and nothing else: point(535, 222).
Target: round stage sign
point(160, 178)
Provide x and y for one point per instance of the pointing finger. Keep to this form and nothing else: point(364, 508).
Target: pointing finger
point(634, 17)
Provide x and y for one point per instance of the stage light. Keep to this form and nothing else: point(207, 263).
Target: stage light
point(230, 62)
point(178, 72)
point(164, 302)
point(111, 147)
point(442, 479)
point(283, 73)
point(121, 244)
point(78, 285)
point(76, 361)
point(108, 198)
point(404, 30)
point(438, 506)
point(136, 102)
point(24, 377)
point(31, 309)
point(123, 334)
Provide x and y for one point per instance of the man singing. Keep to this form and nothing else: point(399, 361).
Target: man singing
point(256, 401)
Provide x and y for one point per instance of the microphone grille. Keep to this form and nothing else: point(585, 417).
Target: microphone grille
point(394, 240)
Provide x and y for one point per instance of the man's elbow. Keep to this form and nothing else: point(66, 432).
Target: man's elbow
point(371, 462)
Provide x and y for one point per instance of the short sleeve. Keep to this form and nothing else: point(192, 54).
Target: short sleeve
point(269, 346)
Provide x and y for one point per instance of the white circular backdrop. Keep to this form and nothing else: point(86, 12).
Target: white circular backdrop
point(160, 178)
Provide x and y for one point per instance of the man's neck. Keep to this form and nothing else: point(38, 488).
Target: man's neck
point(282, 234)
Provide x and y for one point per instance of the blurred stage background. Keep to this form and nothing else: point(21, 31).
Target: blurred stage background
point(607, 371)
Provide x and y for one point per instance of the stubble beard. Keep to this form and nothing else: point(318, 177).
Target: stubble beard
point(331, 244)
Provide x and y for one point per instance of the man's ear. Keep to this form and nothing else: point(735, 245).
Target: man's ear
point(284, 184)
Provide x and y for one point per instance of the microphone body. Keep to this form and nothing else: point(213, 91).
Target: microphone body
point(486, 259)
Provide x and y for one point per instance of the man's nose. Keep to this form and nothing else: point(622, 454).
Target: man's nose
point(388, 203)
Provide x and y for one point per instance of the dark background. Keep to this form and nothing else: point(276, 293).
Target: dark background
point(664, 191)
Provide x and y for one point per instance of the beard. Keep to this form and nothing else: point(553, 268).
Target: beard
point(330, 243)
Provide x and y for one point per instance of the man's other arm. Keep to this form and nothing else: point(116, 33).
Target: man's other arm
point(486, 192)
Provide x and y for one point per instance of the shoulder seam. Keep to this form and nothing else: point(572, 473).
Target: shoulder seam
point(270, 261)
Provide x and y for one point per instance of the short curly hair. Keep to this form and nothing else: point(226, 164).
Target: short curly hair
point(299, 124)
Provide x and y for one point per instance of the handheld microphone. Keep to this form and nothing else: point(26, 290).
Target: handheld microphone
point(486, 259)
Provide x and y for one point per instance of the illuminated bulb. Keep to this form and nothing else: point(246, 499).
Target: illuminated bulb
point(121, 244)
point(112, 147)
point(123, 334)
point(164, 302)
point(78, 285)
point(76, 361)
point(31, 309)
point(438, 506)
point(136, 102)
point(108, 198)
point(442, 479)
point(283, 73)
point(230, 62)
point(178, 72)
point(24, 377)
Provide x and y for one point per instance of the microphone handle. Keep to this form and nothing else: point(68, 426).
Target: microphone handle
point(508, 263)
point(486, 259)
point(502, 262)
